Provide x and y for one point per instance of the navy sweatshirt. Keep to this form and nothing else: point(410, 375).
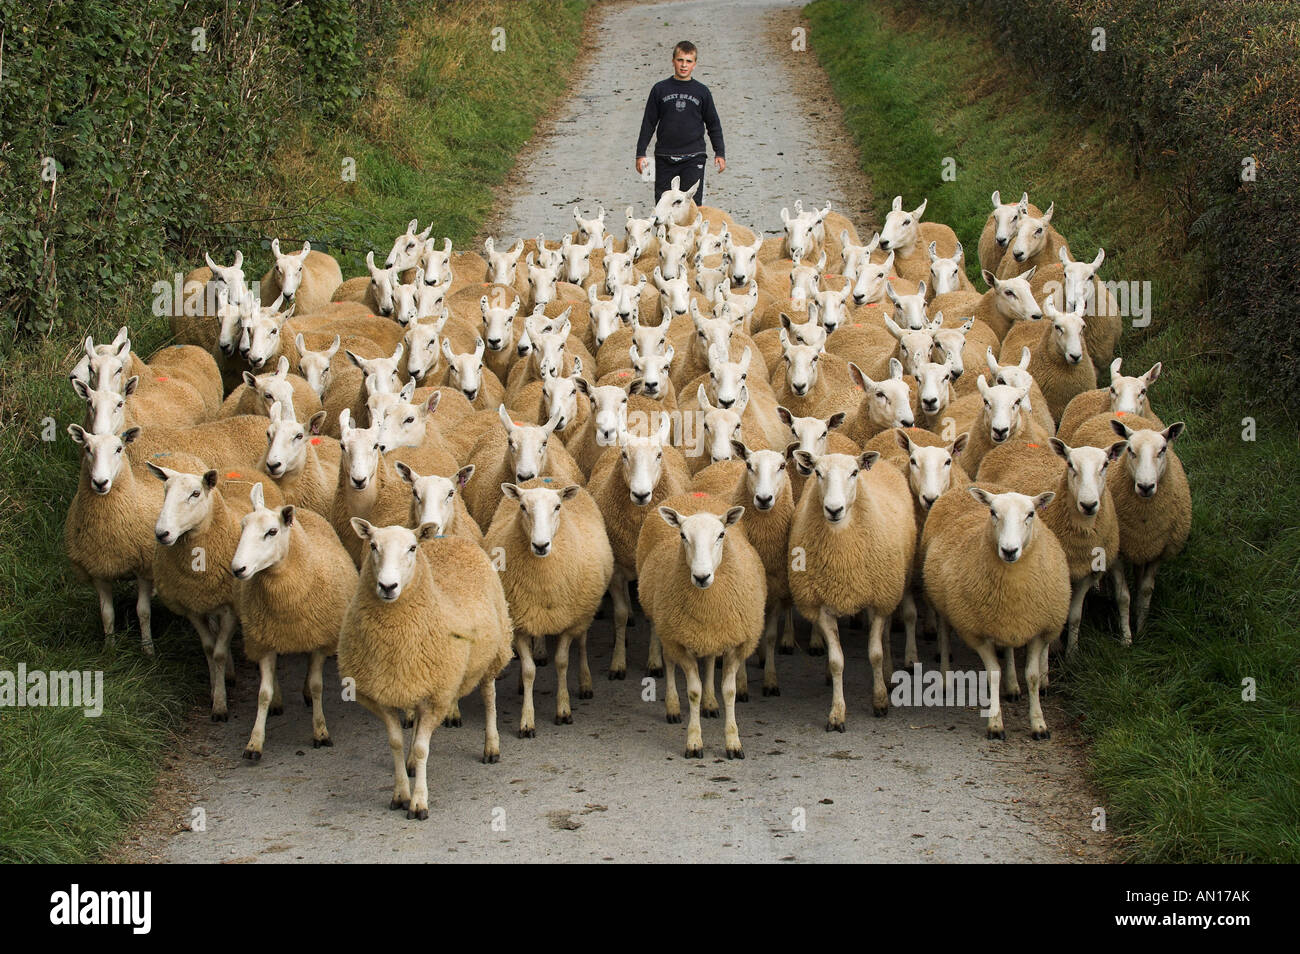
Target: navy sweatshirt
point(681, 111)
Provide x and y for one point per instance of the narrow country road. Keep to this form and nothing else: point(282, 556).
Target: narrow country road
point(920, 785)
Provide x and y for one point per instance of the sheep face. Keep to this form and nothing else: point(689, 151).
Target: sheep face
point(1081, 281)
point(737, 308)
point(872, 282)
point(465, 371)
point(498, 323)
point(560, 397)
point(948, 343)
point(804, 231)
point(381, 374)
point(642, 460)
point(639, 234)
point(674, 205)
point(805, 279)
point(909, 310)
point(651, 371)
point(914, 347)
point(672, 258)
point(728, 377)
point(382, 283)
point(1130, 394)
point(1014, 299)
point(708, 280)
point(721, 425)
point(187, 500)
point(627, 299)
point(540, 508)
point(106, 406)
point(229, 282)
point(404, 424)
point(828, 308)
point(804, 333)
point(853, 257)
point(541, 283)
point(260, 337)
point(591, 231)
point(394, 553)
point(1085, 472)
point(744, 260)
point(405, 305)
point(619, 269)
point(902, 228)
point(408, 247)
point(711, 333)
point(674, 293)
point(231, 317)
point(575, 260)
point(1003, 405)
point(1006, 217)
point(765, 474)
point(888, 402)
point(359, 454)
point(423, 347)
point(800, 365)
point(1067, 332)
point(1147, 457)
point(945, 272)
point(604, 316)
point(547, 257)
point(435, 263)
point(433, 498)
point(548, 350)
point(527, 445)
point(811, 433)
point(103, 454)
point(1031, 234)
point(1012, 523)
point(929, 469)
point(935, 391)
point(837, 481)
point(264, 536)
point(502, 265)
point(286, 443)
point(289, 269)
point(702, 539)
point(315, 365)
point(711, 243)
point(430, 299)
point(608, 412)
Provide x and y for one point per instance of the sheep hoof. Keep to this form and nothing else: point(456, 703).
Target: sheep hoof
point(1041, 736)
point(405, 722)
point(695, 752)
point(410, 773)
point(421, 815)
point(397, 805)
point(221, 717)
point(491, 758)
point(709, 712)
point(834, 725)
point(452, 722)
point(771, 690)
point(276, 710)
point(674, 718)
point(1012, 696)
point(1000, 735)
point(816, 650)
point(566, 719)
point(735, 753)
point(253, 755)
point(529, 733)
point(785, 650)
point(618, 674)
point(879, 711)
point(585, 694)
point(742, 697)
point(325, 743)
point(656, 671)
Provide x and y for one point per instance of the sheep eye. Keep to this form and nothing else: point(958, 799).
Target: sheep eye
point(376, 447)
point(373, 548)
point(194, 495)
point(948, 462)
point(298, 436)
point(659, 456)
point(272, 532)
point(557, 508)
point(409, 420)
point(1038, 231)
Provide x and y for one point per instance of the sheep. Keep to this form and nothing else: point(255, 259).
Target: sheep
point(1018, 376)
point(607, 408)
point(818, 436)
point(519, 452)
point(705, 598)
point(1000, 228)
point(852, 542)
point(161, 403)
point(721, 426)
point(1002, 582)
point(408, 247)
point(375, 291)
point(1035, 243)
point(575, 265)
point(294, 582)
point(258, 392)
point(454, 269)
point(367, 486)
point(303, 464)
point(828, 307)
point(909, 238)
point(434, 500)
point(1076, 282)
point(993, 416)
point(909, 309)
point(636, 473)
point(198, 525)
point(962, 345)
point(428, 622)
point(640, 240)
point(603, 319)
point(676, 206)
point(503, 267)
point(338, 382)
point(469, 375)
point(1007, 301)
point(304, 279)
point(556, 566)
point(205, 292)
point(891, 402)
point(933, 390)
point(615, 353)
point(108, 534)
point(1153, 504)
point(947, 274)
point(1126, 395)
point(772, 350)
point(866, 343)
point(166, 375)
point(745, 265)
point(872, 281)
point(815, 383)
point(1059, 359)
point(589, 228)
point(1082, 515)
point(805, 232)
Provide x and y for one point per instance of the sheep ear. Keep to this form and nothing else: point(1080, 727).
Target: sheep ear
point(250, 379)
point(895, 369)
point(836, 419)
point(360, 527)
point(1120, 428)
point(1114, 368)
point(1059, 447)
point(1024, 359)
point(1047, 216)
point(155, 470)
point(129, 435)
point(671, 517)
point(256, 496)
point(783, 413)
point(897, 203)
point(431, 405)
point(505, 417)
point(982, 495)
point(463, 475)
point(83, 389)
point(354, 359)
point(858, 378)
point(867, 460)
point(932, 248)
point(739, 449)
point(426, 531)
point(732, 516)
point(959, 444)
point(1151, 376)
point(1114, 450)
point(903, 441)
point(569, 492)
point(510, 490)
point(790, 448)
point(989, 278)
point(804, 461)
point(404, 469)
point(1170, 433)
point(317, 422)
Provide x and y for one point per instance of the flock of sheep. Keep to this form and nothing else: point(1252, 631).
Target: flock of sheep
point(433, 467)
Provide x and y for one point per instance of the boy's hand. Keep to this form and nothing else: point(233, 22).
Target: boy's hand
point(720, 162)
point(640, 164)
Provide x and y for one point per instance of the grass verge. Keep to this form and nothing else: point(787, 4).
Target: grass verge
point(439, 130)
point(1191, 771)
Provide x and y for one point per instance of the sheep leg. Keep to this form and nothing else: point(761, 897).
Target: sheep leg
point(622, 608)
point(742, 682)
point(253, 750)
point(491, 740)
point(563, 712)
point(144, 610)
point(910, 655)
point(931, 618)
point(816, 641)
point(655, 660)
point(453, 720)
point(528, 672)
point(731, 662)
point(1011, 689)
point(945, 649)
point(584, 670)
point(277, 700)
point(672, 705)
point(424, 723)
point(320, 735)
point(539, 650)
point(770, 687)
point(1077, 594)
point(1146, 586)
point(830, 630)
point(1042, 665)
point(877, 646)
point(1035, 654)
point(228, 616)
point(786, 647)
point(397, 744)
point(107, 615)
point(1122, 600)
point(709, 707)
point(216, 679)
point(694, 735)
point(989, 655)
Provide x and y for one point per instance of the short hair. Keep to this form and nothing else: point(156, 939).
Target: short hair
point(685, 46)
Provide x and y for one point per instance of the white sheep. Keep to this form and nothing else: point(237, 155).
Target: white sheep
point(305, 279)
point(1126, 395)
point(909, 238)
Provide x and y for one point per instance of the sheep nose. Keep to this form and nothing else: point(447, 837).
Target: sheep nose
point(1018, 256)
point(238, 571)
point(1002, 243)
point(1088, 508)
point(1146, 490)
point(163, 536)
point(389, 264)
point(471, 395)
point(359, 483)
point(928, 500)
point(702, 581)
point(1074, 358)
point(833, 513)
point(884, 243)
point(640, 498)
point(726, 403)
point(541, 549)
point(495, 344)
point(100, 485)
point(800, 389)
point(520, 476)
point(273, 469)
point(907, 421)
point(1000, 434)
point(1010, 554)
point(387, 591)
point(763, 502)
point(931, 404)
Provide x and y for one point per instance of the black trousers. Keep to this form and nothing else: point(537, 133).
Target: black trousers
point(691, 170)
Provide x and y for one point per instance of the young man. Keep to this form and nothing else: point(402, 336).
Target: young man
point(682, 109)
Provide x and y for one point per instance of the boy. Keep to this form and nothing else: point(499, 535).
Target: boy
point(682, 109)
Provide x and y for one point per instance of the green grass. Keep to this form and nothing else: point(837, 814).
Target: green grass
point(438, 132)
point(1189, 771)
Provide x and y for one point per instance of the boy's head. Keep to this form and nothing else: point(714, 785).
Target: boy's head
point(683, 59)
